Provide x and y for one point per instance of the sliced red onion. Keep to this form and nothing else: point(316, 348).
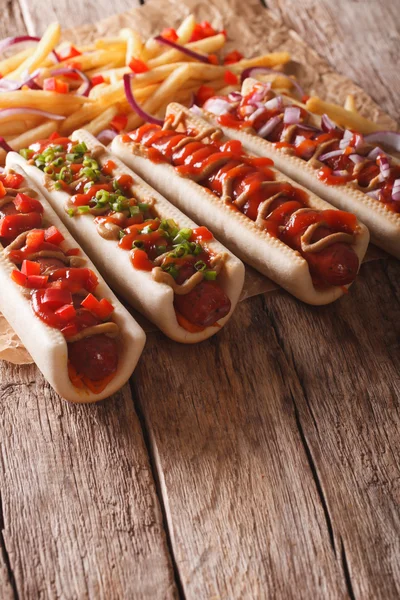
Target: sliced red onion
point(387, 138)
point(340, 173)
point(235, 96)
point(10, 41)
point(275, 103)
point(327, 124)
point(106, 136)
point(248, 110)
point(4, 145)
point(191, 101)
point(187, 51)
point(135, 106)
point(356, 158)
point(373, 155)
point(308, 128)
point(196, 110)
point(269, 126)
point(345, 141)
point(292, 115)
point(384, 166)
point(396, 190)
point(254, 70)
point(299, 139)
point(8, 85)
point(217, 106)
point(373, 194)
point(256, 113)
point(87, 84)
point(331, 154)
point(9, 112)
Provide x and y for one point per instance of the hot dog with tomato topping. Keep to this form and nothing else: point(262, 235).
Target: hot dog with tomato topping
point(342, 166)
point(174, 272)
point(281, 229)
point(80, 336)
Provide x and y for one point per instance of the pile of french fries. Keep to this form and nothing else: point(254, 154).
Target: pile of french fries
point(171, 76)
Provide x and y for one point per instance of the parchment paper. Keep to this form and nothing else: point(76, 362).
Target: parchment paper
point(252, 30)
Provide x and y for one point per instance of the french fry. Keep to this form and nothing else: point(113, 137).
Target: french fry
point(97, 59)
point(168, 88)
point(33, 135)
point(12, 128)
point(134, 44)
point(7, 65)
point(266, 60)
point(350, 103)
point(185, 30)
point(102, 121)
point(60, 104)
point(341, 116)
point(48, 42)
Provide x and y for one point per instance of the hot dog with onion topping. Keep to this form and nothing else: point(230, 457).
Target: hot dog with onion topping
point(80, 336)
point(167, 267)
point(286, 232)
point(342, 166)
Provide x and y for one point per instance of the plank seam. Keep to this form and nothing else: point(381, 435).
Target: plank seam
point(5, 554)
point(29, 24)
point(346, 571)
point(307, 449)
point(156, 477)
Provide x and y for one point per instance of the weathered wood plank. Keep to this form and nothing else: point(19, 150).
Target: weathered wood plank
point(69, 14)
point(243, 509)
point(360, 39)
point(81, 516)
point(346, 357)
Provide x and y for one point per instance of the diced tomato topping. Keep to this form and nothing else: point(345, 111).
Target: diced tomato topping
point(233, 57)
point(25, 204)
point(101, 309)
point(55, 298)
point(204, 93)
point(202, 30)
point(73, 252)
point(138, 66)
point(35, 239)
point(170, 34)
point(68, 52)
point(52, 84)
point(70, 330)
point(55, 136)
point(66, 312)
point(18, 277)
point(119, 122)
point(12, 225)
point(97, 79)
point(76, 279)
point(230, 78)
point(36, 282)
point(213, 59)
point(53, 236)
point(29, 267)
point(12, 180)
point(2, 190)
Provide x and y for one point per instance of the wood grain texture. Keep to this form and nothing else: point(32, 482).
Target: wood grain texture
point(244, 512)
point(350, 417)
point(81, 516)
point(70, 13)
point(360, 38)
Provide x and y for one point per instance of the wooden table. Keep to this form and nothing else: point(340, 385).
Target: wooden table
point(263, 463)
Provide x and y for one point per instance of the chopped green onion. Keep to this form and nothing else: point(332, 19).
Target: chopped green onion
point(120, 204)
point(89, 173)
point(161, 249)
point(198, 249)
point(122, 234)
point(26, 153)
point(143, 207)
point(102, 197)
point(58, 149)
point(84, 209)
point(183, 235)
point(172, 270)
point(71, 212)
point(170, 227)
point(138, 244)
point(91, 162)
point(65, 174)
point(80, 148)
point(147, 229)
point(210, 275)
point(49, 170)
point(58, 162)
point(134, 211)
point(200, 265)
point(87, 186)
point(116, 186)
point(58, 185)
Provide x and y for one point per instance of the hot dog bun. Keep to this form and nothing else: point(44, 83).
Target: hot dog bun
point(267, 254)
point(384, 224)
point(47, 345)
point(151, 298)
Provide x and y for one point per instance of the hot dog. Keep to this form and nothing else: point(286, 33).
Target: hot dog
point(78, 333)
point(152, 254)
point(275, 226)
point(340, 165)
